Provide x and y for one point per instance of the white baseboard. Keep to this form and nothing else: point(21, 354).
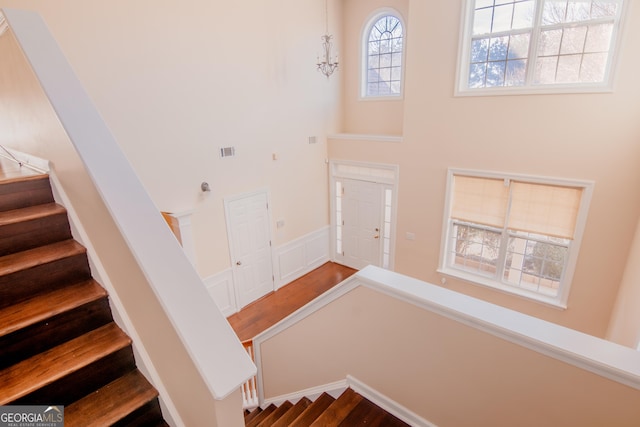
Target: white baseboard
point(387, 404)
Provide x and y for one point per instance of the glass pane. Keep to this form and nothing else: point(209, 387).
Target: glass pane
point(395, 87)
point(549, 42)
point(385, 60)
point(385, 74)
point(554, 12)
point(568, 69)
point(593, 67)
point(545, 70)
point(598, 38)
point(477, 75)
point(495, 73)
point(483, 3)
point(516, 72)
point(519, 46)
point(523, 15)
point(602, 9)
point(479, 50)
point(374, 61)
point(498, 48)
point(482, 21)
point(396, 59)
point(502, 16)
point(578, 11)
point(396, 74)
point(573, 40)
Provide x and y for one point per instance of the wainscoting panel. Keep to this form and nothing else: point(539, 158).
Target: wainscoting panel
point(300, 256)
point(290, 261)
point(220, 287)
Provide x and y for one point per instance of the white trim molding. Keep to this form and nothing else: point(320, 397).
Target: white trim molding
point(221, 289)
point(365, 137)
point(389, 405)
point(300, 256)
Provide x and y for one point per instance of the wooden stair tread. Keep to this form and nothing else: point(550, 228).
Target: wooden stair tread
point(339, 409)
point(112, 402)
point(367, 413)
point(42, 255)
point(30, 213)
point(293, 413)
point(275, 415)
point(40, 370)
point(23, 314)
point(314, 410)
point(22, 177)
point(261, 416)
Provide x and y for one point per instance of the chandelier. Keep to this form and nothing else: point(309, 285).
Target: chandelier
point(327, 66)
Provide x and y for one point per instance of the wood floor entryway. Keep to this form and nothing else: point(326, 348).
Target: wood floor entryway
point(269, 310)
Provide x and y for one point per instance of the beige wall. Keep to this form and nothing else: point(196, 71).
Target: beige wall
point(583, 136)
point(448, 373)
point(29, 124)
point(625, 321)
point(177, 80)
point(363, 116)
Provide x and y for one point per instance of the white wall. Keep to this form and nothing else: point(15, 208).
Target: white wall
point(177, 80)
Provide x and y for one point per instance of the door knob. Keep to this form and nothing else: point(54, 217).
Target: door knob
point(239, 263)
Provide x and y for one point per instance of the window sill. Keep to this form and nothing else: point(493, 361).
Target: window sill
point(536, 90)
point(553, 302)
point(366, 137)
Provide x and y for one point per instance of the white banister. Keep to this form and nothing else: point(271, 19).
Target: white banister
point(205, 333)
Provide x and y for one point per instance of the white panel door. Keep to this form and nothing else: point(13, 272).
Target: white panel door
point(250, 242)
point(362, 222)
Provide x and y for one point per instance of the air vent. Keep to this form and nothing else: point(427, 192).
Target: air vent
point(227, 152)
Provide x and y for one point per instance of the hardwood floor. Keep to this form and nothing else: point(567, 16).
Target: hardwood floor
point(267, 311)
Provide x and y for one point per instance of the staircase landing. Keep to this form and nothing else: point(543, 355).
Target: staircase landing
point(269, 310)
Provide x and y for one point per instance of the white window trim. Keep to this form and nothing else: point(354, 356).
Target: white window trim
point(364, 53)
point(462, 74)
point(559, 301)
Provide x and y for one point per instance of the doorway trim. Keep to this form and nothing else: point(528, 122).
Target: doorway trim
point(380, 173)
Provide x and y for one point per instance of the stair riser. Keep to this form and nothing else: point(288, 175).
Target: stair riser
point(82, 382)
point(24, 284)
point(30, 234)
point(22, 194)
point(53, 331)
point(148, 415)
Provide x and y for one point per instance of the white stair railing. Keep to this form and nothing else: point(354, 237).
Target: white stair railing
point(250, 388)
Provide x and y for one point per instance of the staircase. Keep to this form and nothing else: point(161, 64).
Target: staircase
point(58, 342)
point(350, 409)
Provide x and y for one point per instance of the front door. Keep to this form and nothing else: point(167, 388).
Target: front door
point(248, 225)
point(361, 223)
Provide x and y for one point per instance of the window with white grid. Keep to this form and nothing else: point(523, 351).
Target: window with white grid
point(383, 48)
point(524, 46)
point(516, 233)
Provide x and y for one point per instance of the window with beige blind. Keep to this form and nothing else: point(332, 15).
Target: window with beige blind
point(517, 233)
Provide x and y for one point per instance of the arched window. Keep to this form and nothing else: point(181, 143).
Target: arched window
point(383, 44)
